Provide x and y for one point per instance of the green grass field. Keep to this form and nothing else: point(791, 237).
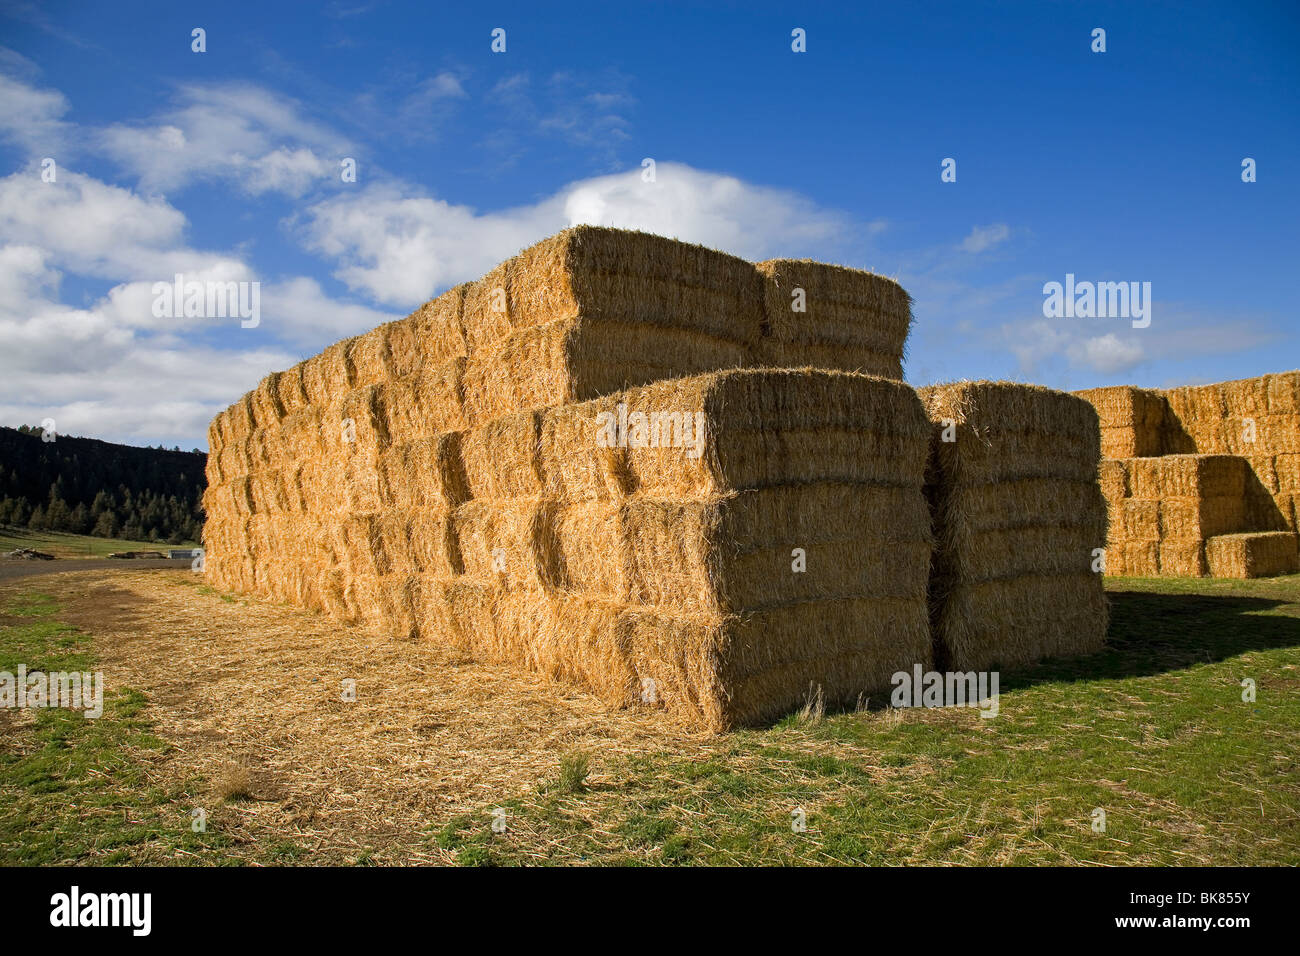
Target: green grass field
point(63, 545)
point(1153, 731)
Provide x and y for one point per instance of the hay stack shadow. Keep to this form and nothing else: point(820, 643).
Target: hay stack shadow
point(1158, 633)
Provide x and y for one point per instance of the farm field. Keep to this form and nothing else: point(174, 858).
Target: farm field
point(233, 707)
point(63, 545)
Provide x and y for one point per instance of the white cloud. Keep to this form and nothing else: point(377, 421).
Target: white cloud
point(399, 248)
point(1107, 354)
point(242, 134)
point(32, 117)
point(982, 238)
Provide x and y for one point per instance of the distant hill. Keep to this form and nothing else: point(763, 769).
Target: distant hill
point(87, 486)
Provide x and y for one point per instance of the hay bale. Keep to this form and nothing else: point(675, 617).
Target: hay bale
point(1193, 476)
point(1182, 558)
point(1012, 580)
point(575, 359)
point(425, 473)
point(843, 319)
point(442, 474)
point(734, 553)
point(1253, 555)
point(617, 276)
point(1132, 420)
point(706, 435)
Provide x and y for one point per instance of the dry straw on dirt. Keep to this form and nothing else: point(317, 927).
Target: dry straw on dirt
point(1019, 514)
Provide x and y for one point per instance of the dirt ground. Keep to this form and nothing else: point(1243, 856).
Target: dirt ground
point(11, 568)
point(243, 683)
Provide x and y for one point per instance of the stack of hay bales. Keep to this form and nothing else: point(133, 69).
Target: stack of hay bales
point(1259, 419)
point(1019, 518)
point(645, 543)
point(442, 475)
point(1247, 493)
point(1164, 509)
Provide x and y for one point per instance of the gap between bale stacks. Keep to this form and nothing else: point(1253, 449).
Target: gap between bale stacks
point(1019, 518)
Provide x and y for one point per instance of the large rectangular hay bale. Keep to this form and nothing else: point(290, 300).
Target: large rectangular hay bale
point(618, 276)
point(1253, 555)
point(732, 431)
point(828, 316)
point(1036, 590)
point(1132, 420)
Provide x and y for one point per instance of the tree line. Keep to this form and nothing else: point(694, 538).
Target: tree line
point(87, 486)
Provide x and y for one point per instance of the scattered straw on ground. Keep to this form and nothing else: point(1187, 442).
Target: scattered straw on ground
point(249, 695)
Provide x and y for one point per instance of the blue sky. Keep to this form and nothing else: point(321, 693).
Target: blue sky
point(1120, 166)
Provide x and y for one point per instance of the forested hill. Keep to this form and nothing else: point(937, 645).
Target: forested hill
point(87, 486)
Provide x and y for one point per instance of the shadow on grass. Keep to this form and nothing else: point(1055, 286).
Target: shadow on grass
point(1154, 633)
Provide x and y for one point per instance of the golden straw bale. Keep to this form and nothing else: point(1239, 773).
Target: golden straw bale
point(439, 397)
point(1245, 397)
point(362, 488)
point(1122, 406)
point(733, 671)
point(737, 553)
point(355, 427)
point(1032, 576)
point(1001, 623)
point(300, 436)
point(1253, 555)
point(1183, 559)
point(1141, 519)
point(1283, 393)
point(426, 473)
point(438, 335)
point(293, 393)
point(1194, 402)
point(432, 544)
point(735, 430)
point(617, 276)
point(367, 358)
point(1141, 558)
point(327, 377)
point(572, 360)
point(1194, 519)
point(500, 541)
point(832, 317)
point(1003, 431)
point(267, 409)
point(1113, 475)
point(588, 550)
point(501, 459)
point(1286, 474)
point(1191, 476)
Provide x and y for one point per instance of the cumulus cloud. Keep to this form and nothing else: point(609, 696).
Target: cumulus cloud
point(398, 248)
point(111, 368)
point(243, 134)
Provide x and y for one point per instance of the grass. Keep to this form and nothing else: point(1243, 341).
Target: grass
point(1153, 732)
point(63, 545)
point(78, 790)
